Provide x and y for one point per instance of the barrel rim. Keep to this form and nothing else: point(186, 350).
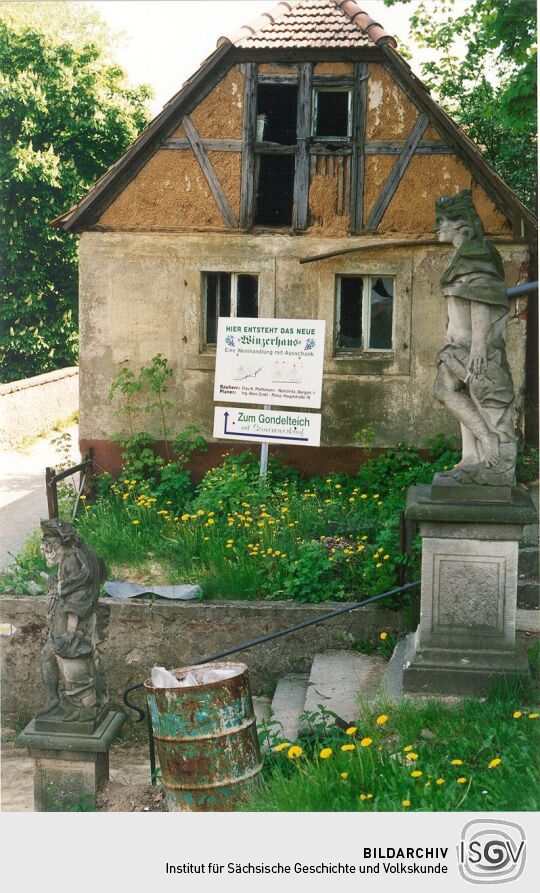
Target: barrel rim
point(205, 685)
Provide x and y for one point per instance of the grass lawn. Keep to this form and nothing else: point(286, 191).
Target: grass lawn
point(431, 757)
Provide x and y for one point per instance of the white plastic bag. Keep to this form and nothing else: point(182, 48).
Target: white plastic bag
point(162, 678)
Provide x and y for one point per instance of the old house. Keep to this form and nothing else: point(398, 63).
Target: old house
point(294, 175)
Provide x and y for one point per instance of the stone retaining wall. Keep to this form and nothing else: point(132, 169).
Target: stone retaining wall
point(172, 634)
point(32, 406)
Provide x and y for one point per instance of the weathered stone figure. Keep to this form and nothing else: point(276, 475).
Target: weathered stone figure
point(75, 685)
point(474, 379)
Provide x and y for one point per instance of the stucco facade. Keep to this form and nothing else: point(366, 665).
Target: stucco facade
point(184, 201)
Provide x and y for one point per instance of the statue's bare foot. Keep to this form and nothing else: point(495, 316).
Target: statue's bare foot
point(490, 447)
point(454, 472)
point(50, 705)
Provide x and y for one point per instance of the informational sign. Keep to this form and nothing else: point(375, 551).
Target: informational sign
point(269, 361)
point(267, 425)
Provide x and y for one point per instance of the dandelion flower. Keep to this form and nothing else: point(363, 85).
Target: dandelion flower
point(365, 742)
point(411, 756)
point(184, 518)
point(282, 746)
point(494, 763)
point(325, 753)
point(440, 781)
point(461, 780)
point(352, 730)
point(416, 774)
point(347, 747)
point(533, 715)
point(408, 748)
point(344, 775)
point(378, 564)
point(381, 719)
point(457, 762)
point(516, 714)
point(383, 636)
point(135, 522)
point(294, 752)
point(405, 802)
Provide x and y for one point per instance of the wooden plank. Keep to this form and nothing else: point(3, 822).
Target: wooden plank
point(321, 80)
point(274, 149)
point(401, 165)
point(209, 172)
point(303, 134)
point(395, 147)
point(219, 145)
point(337, 150)
point(340, 165)
point(282, 79)
point(247, 180)
point(359, 99)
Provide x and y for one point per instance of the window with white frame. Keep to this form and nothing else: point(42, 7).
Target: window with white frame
point(227, 294)
point(332, 113)
point(364, 314)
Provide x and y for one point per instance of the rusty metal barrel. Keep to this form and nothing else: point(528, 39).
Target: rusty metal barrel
point(206, 740)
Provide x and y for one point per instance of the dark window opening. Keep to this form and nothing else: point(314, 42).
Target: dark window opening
point(332, 113)
point(382, 303)
point(275, 189)
point(350, 312)
point(276, 113)
point(228, 294)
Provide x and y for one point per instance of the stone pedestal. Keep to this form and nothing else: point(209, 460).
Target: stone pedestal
point(467, 632)
point(69, 766)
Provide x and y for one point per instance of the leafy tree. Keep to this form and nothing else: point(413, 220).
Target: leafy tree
point(66, 114)
point(483, 70)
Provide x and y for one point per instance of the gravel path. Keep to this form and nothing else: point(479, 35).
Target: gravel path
point(22, 490)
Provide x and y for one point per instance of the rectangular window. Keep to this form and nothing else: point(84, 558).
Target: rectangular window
point(276, 113)
point(275, 189)
point(364, 313)
point(332, 115)
point(228, 294)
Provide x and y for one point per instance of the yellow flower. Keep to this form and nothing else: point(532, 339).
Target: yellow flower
point(416, 774)
point(366, 796)
point(364, 537)
point(494, 763)
point(516, 714)
point(211, 514)
point(383, 636)
point(294, 752)
point(200, 511)
point(365, 742)
point(427, 784)
point(375, 496)
point(206, 538)
point(344, 775)
point(135, 522)
point(363, 496)
point(210, 521)
point(351, 730)
point(381, 719)
point(533, 715)
point(282, 746)
point(411, 756)
point(457, 762)
point(405, 802)
point(378, 564)
point(338, 486)
point(408, 748)
point(184, 518)
point(462, 780)
point(440, 781)
point(83, 497)
point(347, 747)
point(325, 753)
point(386, 557)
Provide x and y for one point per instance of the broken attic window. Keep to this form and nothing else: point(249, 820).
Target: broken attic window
point(276, 113)
point(275, 189)
point(228, 294)
point(332, 114)
point(364, 313)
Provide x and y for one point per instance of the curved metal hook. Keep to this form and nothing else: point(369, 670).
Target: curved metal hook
point(128, 703)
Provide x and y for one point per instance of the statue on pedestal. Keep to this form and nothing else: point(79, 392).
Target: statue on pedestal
point(473, 378)
point(70, 663)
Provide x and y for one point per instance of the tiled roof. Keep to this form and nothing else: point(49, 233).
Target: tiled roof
point(311, 23)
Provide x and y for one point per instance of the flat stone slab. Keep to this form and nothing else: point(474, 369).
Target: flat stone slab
point(288, 703)
point(422, 507)
point(529, 561)
point(528, 621)
point(98, 742)
point(445, 489)
point(339, 679)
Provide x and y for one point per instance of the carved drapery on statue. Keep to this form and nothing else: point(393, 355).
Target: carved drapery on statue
point(474, 379)
point(74, 681)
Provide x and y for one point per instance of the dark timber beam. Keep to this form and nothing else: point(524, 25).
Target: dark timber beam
point(359, 105)
point(389, 189)
point(303, 131)
point(220, 145)
point(247, 179)
point(209, 172)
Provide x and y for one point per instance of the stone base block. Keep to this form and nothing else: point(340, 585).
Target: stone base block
point(446, 489)
point(69, 767)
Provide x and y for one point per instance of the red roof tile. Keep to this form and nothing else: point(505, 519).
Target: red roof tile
point(311, 23)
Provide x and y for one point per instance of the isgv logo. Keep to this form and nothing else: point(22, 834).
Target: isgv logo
point(491, 851)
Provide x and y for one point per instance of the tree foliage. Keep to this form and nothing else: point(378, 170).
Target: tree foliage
point(67, 113)
point(483, 70)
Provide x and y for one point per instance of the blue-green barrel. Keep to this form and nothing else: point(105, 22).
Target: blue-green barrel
point(206, 740)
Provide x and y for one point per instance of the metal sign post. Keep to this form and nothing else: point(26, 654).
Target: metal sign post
point(264, 459)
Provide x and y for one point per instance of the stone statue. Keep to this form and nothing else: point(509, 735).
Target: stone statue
point(473, 378)
point(70, 663)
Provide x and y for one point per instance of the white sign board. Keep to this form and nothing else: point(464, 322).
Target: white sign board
point(267, 425)
point(269, 361)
